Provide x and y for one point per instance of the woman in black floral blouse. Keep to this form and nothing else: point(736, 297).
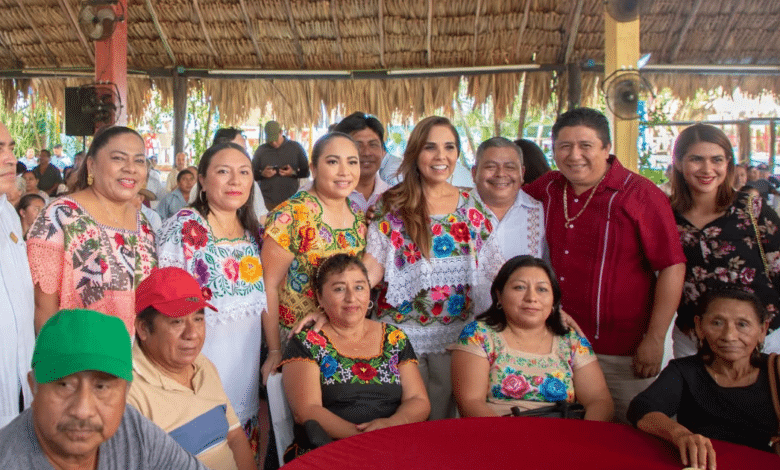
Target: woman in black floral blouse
point(718, 233)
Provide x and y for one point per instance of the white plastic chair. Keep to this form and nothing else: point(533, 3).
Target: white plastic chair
point(281, 416)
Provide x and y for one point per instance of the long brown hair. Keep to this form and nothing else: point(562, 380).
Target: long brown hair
point(407, 197)
point(681, 199)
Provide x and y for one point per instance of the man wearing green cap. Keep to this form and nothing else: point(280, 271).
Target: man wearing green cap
point(278, 164)
point(79, 419)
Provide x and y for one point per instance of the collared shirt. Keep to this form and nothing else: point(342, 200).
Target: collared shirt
point(605, 259)
point(171, 203)
point(198, 419)
point(17, 335)
point(359, 202)
point(388, 169)
point(519, 232)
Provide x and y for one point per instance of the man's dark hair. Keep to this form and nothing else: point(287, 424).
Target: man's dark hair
point(587, 117)
point(147, 317)
point(358, 121)
point(226, 134)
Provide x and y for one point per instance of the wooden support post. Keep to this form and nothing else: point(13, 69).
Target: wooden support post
point(744, 141)
point(772, 138)
point(111, 63)
point(179, 111)
point(621, 50)
point(574, 80)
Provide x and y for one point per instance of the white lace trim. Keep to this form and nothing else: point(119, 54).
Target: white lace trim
point(166, 259)
point(404, 284)
point(234, 309)
point(433, 338)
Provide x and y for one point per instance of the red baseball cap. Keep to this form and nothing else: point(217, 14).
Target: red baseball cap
point(171, 291)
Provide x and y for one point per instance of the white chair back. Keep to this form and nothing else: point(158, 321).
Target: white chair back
point(281, 416)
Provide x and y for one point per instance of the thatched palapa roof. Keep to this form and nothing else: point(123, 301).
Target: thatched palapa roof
point(206, 38)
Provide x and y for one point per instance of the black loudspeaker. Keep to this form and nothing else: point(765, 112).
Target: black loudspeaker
point(79, 120)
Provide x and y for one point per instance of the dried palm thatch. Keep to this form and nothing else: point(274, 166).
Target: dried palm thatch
point(379, 35)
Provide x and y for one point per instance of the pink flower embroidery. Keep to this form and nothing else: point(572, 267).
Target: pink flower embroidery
point(440, 292)
point(230, 268)
point(514, 386)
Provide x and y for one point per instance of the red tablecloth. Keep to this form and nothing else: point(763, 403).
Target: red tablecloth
point(517, 443)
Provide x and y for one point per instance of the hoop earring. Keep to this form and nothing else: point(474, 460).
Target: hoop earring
point(370, 304)
point(90, 179)
point(202, 197)
point(499, 306)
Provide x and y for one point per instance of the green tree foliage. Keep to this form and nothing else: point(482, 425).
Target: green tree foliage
point(32, 123)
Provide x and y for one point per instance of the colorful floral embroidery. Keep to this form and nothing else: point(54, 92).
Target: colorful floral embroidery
point(226, 269)
point(297, 226)
point(414, 290)
point(336, 368)
point(520, 376)
point(102, 264)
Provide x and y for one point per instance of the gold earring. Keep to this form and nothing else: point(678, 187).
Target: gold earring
point(90, 179)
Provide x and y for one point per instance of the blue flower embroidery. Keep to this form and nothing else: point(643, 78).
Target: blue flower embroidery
point(553, 389)
point(468, 330)
point(495, 390)
point(296, 278)
point(328, 366)
point(455, 304)
point(405, 308)
point(584, 341)
point(442, 246)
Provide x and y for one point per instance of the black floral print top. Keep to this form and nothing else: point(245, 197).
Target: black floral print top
point(724, 253)
point(357, 389)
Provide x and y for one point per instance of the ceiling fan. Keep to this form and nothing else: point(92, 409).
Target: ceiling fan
point(98, 18)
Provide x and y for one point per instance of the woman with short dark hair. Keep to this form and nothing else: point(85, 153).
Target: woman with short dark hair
point(520, 354)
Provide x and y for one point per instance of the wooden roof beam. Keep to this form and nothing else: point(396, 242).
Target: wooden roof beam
point(428, 36)
point(382, 33)
point(296, 35)
point(521, 31)
point(205, 31)
point(250, 31)
point(684, 32)
point(66, 8)
point(476, 33)
point(334, 14)
point(158, 27)
point(27, 17)
point(573, 30)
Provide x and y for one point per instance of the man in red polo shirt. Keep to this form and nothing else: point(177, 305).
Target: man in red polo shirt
point(609, 232)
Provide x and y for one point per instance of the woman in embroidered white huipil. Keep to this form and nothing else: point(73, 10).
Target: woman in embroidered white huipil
point(423, 243)
point(217, 241)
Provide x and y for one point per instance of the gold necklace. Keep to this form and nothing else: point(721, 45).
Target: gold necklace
point(568, 223)
point(117, 224)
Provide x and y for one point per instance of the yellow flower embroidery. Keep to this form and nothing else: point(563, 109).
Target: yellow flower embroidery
point(395, 336)
point(283, 240)
point(250, 269)
point(300, 213)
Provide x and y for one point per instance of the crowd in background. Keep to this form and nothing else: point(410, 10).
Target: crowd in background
point(383, 293)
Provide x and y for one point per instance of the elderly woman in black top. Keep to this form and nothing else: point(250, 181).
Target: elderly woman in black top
point(720, 393)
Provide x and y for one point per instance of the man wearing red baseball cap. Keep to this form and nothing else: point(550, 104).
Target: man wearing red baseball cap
point(174, 385)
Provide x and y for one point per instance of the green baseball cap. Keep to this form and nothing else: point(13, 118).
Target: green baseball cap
point(77, 340)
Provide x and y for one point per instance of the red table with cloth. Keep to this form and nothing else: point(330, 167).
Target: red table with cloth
point(517, 443)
